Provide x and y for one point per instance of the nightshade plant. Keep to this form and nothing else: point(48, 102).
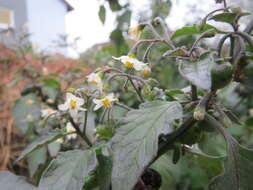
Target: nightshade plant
point(119, 154)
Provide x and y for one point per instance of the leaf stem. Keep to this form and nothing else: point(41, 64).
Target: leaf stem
point(123, 106)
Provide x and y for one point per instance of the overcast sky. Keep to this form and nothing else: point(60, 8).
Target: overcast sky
point(84, 22)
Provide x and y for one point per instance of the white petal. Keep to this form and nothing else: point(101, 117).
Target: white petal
point(116, 58)
point(70, 96)
point(82, 109)
point(110, 96)
point(139, 66)
point(97, 101)
point(79, 101)
point(98, 106)
point(73, 113)
point(63, 107)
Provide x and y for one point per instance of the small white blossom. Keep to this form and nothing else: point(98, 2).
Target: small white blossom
point(107, 101)
point(72, 104)
point(95, 79)
point(146, 71)
point(70, 129)
point(131, 62)
point(47, 112)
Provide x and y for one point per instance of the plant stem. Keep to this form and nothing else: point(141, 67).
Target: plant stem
point(164, 146)
point(137, 90)
point(194, 92)
point(85, 117)
point(79, 132)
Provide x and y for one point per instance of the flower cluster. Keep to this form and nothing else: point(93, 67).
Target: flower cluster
point(75, 103)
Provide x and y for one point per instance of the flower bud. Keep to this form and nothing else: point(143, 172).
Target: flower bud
point(199, 114)
point(71, 90)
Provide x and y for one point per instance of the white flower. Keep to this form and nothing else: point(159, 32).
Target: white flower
point(47, 112)
point(107, 101)
point(70, 129)
point(72, 104)
point(131, 62)
point(95, 79)
point(146, 71)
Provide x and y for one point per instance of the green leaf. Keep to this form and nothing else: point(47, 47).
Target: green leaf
point(25, 111)
point(68, 170)
point(238, 164)
point(191, 30)
point(50, 82)
point(35, 159)
point(197, 73)
point(42, 141)
point(114, 5)
point(135, 143)
point(51, 87)
point(102, 13)
point(9, 181)
point(224, 17)
point(116, 36)
point(124, 19)
point(228, 17)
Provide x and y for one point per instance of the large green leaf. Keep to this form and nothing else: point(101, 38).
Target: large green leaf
point(198, 73)
point(42, 141)
point(191, 30)
point(238, 164)
point(69, 170)
point(25, 111)
point(136, 142)
point(9, 181)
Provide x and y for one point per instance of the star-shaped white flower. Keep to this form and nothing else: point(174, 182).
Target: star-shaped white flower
point(72, 104)
point(131, 62)
point(95, 79)
point(70, 129)
point(47, 112)
point(106, 102)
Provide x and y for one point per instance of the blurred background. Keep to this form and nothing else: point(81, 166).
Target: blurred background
point(48, 46)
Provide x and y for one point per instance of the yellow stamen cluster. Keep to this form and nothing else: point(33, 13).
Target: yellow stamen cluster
point(129, 64)
point(72, 104)
point(106, 102)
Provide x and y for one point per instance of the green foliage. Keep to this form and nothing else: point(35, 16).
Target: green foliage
point(41, 142)
point(191, 30)
point(68, 170)
point(140, 143)
point(25, 111)
point(122, 129)
point(198, 72)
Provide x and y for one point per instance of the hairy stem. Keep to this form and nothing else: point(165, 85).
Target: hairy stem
point(79, 132)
